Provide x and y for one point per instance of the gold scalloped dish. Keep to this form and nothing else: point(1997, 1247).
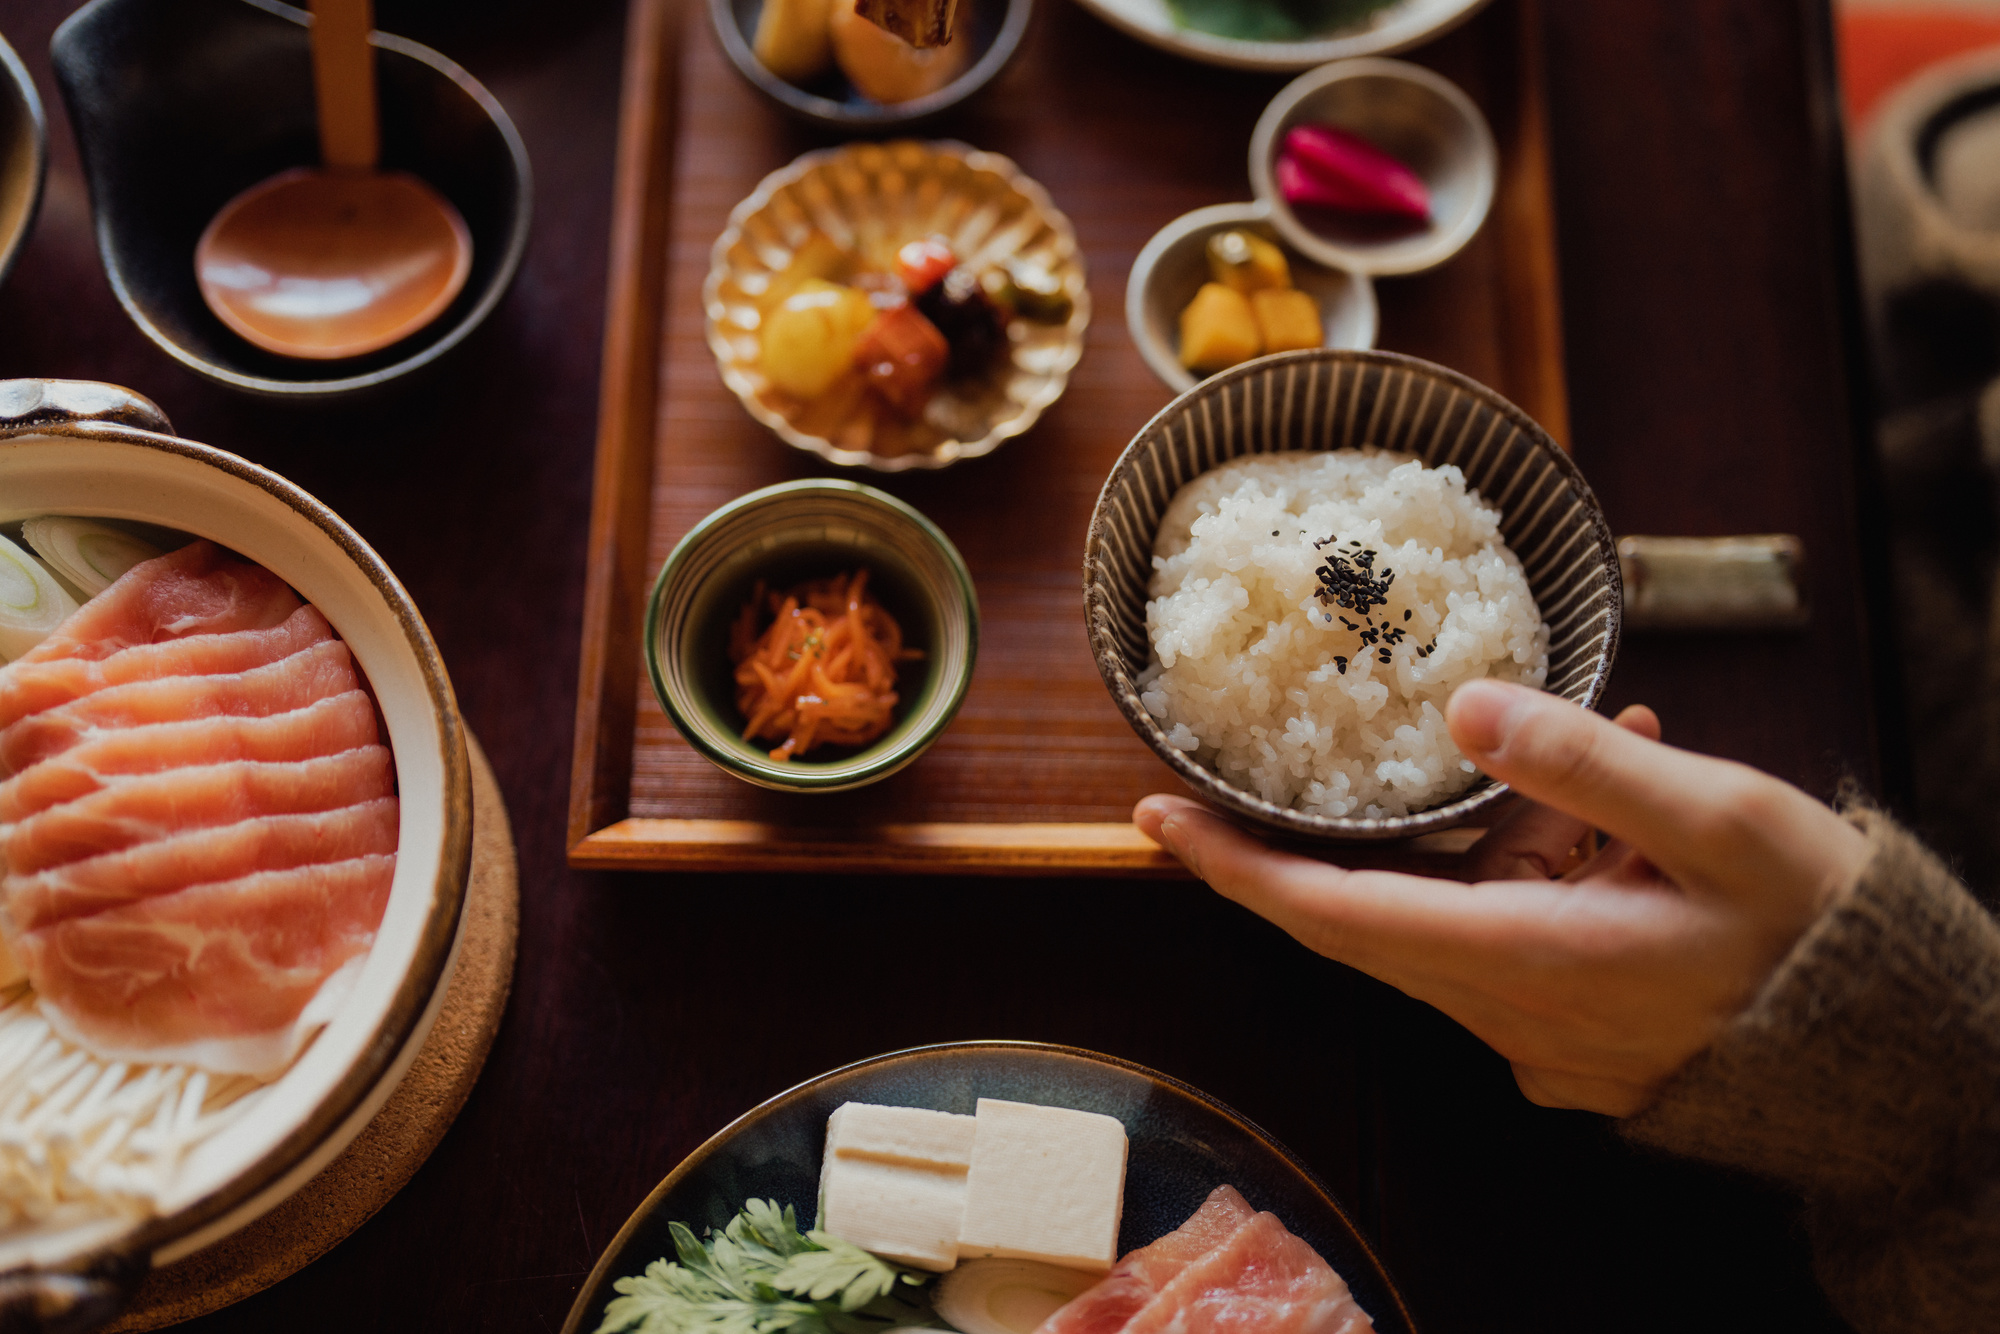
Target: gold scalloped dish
point(871, 199)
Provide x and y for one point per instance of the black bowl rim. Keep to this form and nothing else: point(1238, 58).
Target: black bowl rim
point(876, 116)
point(579, 1309)
point(1208, 783)
point(38, 135)
point(496, 288)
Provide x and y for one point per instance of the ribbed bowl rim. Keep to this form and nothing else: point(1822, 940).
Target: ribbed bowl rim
point(1099, 598)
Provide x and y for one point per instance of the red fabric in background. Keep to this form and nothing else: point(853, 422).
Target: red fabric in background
point(1880, 48)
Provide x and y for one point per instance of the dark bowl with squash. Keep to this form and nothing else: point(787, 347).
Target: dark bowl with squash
point(990, 30)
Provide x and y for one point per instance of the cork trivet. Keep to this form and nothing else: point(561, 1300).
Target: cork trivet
point(390, 1149)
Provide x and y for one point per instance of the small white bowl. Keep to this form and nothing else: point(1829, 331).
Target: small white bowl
point(1399, 27)
point(1174, 265)
point(1420, 118)
point(75, 447)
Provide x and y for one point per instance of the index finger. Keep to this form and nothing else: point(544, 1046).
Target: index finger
point(1377, 921)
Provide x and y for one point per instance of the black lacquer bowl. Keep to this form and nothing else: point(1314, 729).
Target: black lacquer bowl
point(1326, 400)
point(180, 105)
point(1183, 1145)
point(23, 155)
point(992, 28)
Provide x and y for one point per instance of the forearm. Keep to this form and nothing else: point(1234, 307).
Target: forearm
point(1866, 1075)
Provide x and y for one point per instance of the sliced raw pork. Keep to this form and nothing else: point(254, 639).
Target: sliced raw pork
point(1135, 1280)
point(1262, 1280)
point(38, 683)
point(200, 589)
point(320, 672)
point(1227, 1270)
point(197, 814)
point(326, 727)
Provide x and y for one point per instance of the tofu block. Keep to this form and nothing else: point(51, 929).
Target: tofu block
point(1047, 1183)
point(893, 1181)
point(907, 1214)
point(913, 1136)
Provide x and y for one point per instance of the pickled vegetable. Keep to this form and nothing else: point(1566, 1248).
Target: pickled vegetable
point(820, 257)
point(921, 263)
point(902, 355)
point(1218, 329)
point(1330, 168)
point(885, 68)
point(965, 315)
point(1028, 289)
point(809, 341)
point(921, 23)
point(1287, 320)
point(1247, 262)
point(792, 39)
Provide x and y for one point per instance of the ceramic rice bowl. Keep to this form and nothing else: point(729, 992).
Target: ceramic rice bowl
point(1329, 400)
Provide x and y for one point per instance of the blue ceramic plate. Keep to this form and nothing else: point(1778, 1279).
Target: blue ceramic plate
point(1184, 1144)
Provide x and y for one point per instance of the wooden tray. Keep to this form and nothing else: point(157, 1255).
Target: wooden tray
point(1038, 772)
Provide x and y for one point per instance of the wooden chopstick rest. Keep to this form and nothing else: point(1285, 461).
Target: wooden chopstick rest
point(1747, 583)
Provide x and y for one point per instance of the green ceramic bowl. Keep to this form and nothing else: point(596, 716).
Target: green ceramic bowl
point(784, 535)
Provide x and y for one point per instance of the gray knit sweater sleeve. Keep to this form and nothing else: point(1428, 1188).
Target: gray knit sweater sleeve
point(1866, 1076)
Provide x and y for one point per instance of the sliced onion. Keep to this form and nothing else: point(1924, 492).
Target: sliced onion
point(1007, 1296)
point(32, 604)
point(89, 554)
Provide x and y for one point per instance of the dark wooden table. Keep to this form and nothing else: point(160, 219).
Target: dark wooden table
point(1702, 250)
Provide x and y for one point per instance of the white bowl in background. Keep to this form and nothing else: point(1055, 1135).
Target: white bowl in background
point(1398, 27)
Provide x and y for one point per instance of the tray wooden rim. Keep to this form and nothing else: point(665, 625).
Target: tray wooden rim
point(602, 834)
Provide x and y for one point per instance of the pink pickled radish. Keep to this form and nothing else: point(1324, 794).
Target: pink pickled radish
point(1331, 168)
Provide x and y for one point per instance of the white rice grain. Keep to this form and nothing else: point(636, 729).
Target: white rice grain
point(1246, 672)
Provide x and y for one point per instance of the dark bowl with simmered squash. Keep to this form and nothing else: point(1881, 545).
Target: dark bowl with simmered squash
point(991, 31)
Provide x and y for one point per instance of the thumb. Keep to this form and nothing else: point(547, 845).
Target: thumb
point(1550, 750)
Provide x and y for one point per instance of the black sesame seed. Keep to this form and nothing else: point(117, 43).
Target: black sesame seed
point(1406, 613)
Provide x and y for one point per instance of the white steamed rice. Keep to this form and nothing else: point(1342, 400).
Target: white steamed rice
point(1244, 675)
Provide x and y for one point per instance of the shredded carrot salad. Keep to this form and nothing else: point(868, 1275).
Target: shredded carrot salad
point(823, 671)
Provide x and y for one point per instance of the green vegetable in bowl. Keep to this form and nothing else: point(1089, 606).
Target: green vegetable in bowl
point(1272, 20)
point(761, 1275)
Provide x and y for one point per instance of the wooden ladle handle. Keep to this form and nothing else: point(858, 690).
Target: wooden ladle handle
point(344, 78)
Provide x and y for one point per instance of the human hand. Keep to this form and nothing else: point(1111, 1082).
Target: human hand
point(1596, 985)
